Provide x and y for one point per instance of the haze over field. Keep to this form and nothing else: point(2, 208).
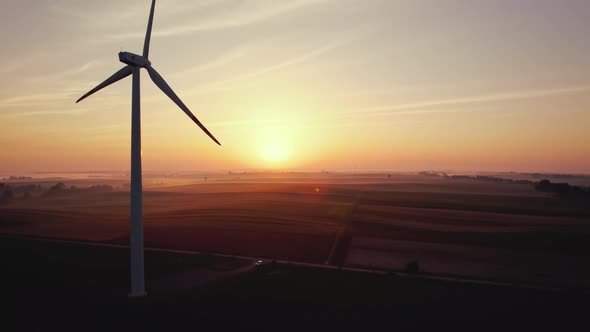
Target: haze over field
point(305, 84)
point(502, 229)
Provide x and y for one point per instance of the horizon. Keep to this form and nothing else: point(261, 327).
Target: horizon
point(386, 86)
point(253, 170)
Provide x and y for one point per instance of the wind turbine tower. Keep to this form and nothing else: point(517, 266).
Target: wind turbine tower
point(134, 64)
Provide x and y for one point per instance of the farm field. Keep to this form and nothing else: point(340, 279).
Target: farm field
point(492, 231)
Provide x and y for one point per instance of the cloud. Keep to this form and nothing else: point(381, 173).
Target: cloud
point(33, 99)
point(218, 62)
point(50, 100)
point(434, 106)
point(68, 73)
point(251, 13)
point(223, 84)
point(104, 13)
point(16, 64)
point(46, 113)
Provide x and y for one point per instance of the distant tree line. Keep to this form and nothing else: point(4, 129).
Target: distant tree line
point(17, 178)
point(542, 186)
point(557, 176)
point(434, 174)
point(60, 188)
point(560, 188)
point(475, 177)
point(10, 192)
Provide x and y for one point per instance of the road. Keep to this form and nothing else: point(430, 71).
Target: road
point(339, 250)
point(454, 279)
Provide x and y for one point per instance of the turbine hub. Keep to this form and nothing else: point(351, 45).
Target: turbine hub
point(133, 59)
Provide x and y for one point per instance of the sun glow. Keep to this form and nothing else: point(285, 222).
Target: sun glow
point(274, 152)
point(280, 132)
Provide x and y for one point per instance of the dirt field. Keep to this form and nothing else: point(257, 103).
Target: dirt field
point(498, 231)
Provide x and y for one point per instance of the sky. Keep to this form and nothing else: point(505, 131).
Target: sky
point(392, 85)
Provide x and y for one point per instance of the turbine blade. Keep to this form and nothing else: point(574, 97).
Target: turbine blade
point(121, 74)
point(148, 34)
point(159, 81)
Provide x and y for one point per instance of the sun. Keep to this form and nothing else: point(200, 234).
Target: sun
point(274, 152)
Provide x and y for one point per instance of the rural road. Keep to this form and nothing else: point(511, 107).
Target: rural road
point(340, 242)
point(287, 262)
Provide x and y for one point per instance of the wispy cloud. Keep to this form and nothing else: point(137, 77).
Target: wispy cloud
point(437, 106)
point(107, 12)
point(32, 99)
point(218, 62)
point(225, 84)
point(47, 100)
point(68, 73)
point(18, 63)
point(250, 12)
point(46, 113)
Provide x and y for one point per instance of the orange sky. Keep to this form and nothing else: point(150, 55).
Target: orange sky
point(305, 84)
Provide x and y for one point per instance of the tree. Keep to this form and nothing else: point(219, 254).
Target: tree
point(412, 267)
point(7, 195)
point(59, 186)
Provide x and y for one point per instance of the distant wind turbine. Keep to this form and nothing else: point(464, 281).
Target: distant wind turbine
point(134, 64)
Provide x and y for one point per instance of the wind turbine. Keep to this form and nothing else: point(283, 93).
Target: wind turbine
point(134, 64)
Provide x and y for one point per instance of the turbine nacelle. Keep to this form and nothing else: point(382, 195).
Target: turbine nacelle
point(134, 59)
point(132, 64)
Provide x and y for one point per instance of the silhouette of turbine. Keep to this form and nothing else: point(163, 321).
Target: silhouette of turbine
point(134, 64)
